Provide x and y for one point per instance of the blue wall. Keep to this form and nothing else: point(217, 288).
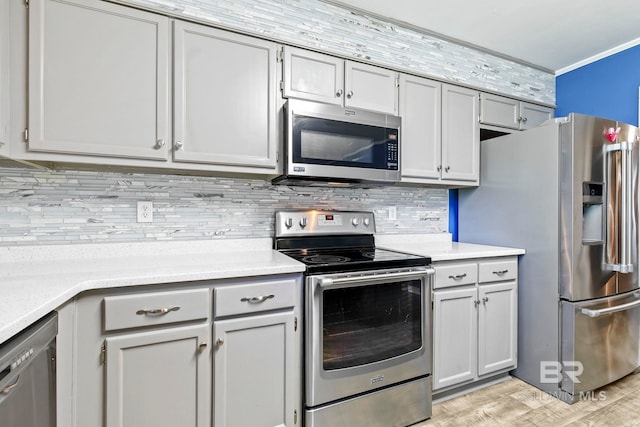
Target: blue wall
point(605, 88)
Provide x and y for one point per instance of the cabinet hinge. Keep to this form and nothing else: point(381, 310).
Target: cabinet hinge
point(295, 416)
point(103, 353)
point(26, 135)
point(295, 324)
point(397, 82)
point(277, 156)
point(433, 305)
point(280, 55)
point(281, 85)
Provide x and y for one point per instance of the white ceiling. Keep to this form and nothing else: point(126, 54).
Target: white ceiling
point(558, 35)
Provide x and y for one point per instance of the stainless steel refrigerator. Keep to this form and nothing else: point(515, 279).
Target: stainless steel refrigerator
point(566, 192)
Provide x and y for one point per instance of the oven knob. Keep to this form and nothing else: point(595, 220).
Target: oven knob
point(288, 222)
point(303, 222)
point(366, 222)
point(355, 222)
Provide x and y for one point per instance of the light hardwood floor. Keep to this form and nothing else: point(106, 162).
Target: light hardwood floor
point(516, 403)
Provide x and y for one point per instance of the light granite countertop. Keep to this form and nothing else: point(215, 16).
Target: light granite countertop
point(441, 248)
point(38, 279)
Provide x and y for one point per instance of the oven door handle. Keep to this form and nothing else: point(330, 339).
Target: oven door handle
point(326, 282)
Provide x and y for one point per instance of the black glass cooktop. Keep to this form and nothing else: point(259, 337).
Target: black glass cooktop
point(334, 260)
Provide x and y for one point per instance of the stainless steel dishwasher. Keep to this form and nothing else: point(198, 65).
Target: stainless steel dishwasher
point(27, 376)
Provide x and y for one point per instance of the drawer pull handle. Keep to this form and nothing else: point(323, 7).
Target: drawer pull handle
point(157, 311)
point(257, 300)
point(501, 272)
point(458, 276)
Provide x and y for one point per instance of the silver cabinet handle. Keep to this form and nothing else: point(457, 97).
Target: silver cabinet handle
point(219, 342)
point(485, 299)
point(257, 300)
point(439, 168)
point(458, 276)
point(179, 145)
point(447, 168)
point(476, 302)
point(10, 387)
point(339, 93)
point(157, 311)
point(159, 144)
point(349, 94)
point(202, 346)
point(524, 119)
point(501, 272)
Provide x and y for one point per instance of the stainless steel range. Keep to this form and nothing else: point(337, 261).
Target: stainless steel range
point(367, 326)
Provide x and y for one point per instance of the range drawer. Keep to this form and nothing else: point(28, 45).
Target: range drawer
point(455, 275)
point(498, 271)
point(157, 308)
point(254, 297)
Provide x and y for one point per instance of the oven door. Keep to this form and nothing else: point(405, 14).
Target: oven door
point(365, 331)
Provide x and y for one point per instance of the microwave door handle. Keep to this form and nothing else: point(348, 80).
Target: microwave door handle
point(327, 282)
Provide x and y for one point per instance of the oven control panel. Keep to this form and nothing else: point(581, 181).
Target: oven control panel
point(314, 222)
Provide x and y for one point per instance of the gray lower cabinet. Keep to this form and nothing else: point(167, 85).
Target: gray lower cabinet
point(223, 353)
point(254, 371)
point(158, 378)
point(257, 356)
point(474, 321)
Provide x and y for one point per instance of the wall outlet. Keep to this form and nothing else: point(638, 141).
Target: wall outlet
point(393, 213)
point(145, 211)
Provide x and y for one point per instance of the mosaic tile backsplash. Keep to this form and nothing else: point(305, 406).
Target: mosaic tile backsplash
point(333, 29)
point(63, 207)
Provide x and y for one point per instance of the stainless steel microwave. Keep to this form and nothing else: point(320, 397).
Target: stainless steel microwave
point(328, 144)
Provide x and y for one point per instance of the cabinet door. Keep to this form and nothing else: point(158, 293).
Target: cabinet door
point(371, 88)
point(98, 79)
point(460, 134)
point(454, 337)
point(533, 115)
point(224, 98)
point(159, 378)
point(313, 76)
point(421, 131)
point(499, 111)
point(497, 327)
point(4, 76)
point(256, 371)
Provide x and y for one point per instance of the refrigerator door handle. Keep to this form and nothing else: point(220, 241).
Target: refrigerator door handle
point(621, 233)
point(614, 309)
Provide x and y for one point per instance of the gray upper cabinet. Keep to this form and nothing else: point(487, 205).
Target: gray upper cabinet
point(98, 79)
point(460, 136)
point(4, 76)
point(421, 130)
point(225, 98)
point(510, 113)
point(325, 78)
point(313, 76)
point(439, 134)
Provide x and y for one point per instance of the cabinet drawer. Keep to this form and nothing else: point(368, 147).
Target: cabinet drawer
point(498, 271)
point(455, 275)
point(148, 309)
point(254, 297)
